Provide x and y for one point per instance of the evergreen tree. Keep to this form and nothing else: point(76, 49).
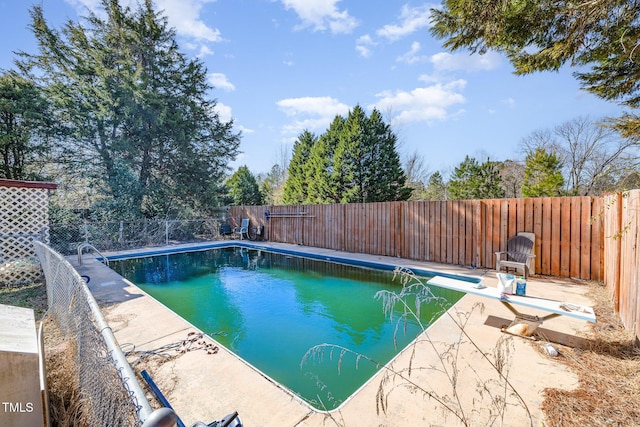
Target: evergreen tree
point(471, 180)
point(296, 185)
point(436, 188)
point(244, 189)
point(599, 37)
point(319, 172)
point(348, 177)
point(25, 121)
point(385, 180)
point(135, 109)
point(542, 175)
point(355, 161)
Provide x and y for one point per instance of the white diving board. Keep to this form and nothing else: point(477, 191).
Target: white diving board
point(555, 308)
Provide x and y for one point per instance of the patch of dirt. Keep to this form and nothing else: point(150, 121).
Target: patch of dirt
point(608, 368)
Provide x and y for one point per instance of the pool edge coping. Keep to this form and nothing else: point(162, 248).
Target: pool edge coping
point(386, 266)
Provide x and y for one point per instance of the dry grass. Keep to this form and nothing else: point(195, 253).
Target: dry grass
point(65, 402)
point(33, 296)
point(62, 380)
point(608, 368)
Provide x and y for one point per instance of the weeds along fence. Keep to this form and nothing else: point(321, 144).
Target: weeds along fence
point(109, 390)
point(122, 235)
point(568, 230)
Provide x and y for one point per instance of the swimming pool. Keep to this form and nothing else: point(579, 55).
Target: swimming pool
point(271, 308)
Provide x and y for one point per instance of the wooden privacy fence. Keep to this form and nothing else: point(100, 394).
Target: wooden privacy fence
point(569, 230)
point(622, 256)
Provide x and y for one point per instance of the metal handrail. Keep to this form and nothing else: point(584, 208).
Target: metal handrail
point(88, 245)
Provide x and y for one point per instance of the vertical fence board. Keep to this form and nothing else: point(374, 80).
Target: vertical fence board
point(556, 235)
point(597, 265)
point(576, 207)
point(520, 216)
point(458, 237)
point(443, 232)
point(545, 262)
point(585, 237)
point(496, 227)
point(537, 230)
point(435, 220)
point(469, 234)
point(507, 226)
point(565, 237)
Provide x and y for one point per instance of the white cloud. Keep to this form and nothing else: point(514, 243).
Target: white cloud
point(444, 61)
point(412, 19)
point(184, 15)
point(429, 78)
point(312, 113)
point(220, 81)
point(322, 106)
point(364, 45)
point(224, 112)
point(412, 56)
point(435, 102)
point(322, 14)
point(243, 129)
point(204, 51)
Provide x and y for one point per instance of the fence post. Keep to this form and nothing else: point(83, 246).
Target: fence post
point(86, 231)
point(166, 232)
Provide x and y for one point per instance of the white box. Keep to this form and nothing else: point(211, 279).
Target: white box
point(20, 393)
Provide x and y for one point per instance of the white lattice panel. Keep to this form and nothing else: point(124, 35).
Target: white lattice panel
point(24, 216)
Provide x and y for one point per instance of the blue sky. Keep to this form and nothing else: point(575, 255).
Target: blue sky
point(282, 66)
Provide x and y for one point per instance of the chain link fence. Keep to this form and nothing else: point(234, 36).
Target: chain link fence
point(121, 235)
point(109, 390)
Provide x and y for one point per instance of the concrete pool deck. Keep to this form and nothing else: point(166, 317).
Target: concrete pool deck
point(204, 387)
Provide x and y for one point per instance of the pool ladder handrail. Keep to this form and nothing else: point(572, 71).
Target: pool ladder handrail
point(89, 246)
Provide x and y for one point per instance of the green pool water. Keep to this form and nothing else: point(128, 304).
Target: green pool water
point(271, 309)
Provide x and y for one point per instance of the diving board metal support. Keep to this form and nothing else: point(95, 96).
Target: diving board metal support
point(529, 317)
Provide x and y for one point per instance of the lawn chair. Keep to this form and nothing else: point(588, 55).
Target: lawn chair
point(243, 230)
point(519, 254)
point(225, 230)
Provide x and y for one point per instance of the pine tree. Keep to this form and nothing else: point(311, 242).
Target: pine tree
point(244, 189)
point(135, 110)
point(436, 188)
point(542, 175)
point(600, 38)
point(296, 185)
point(355, 160)
point(385, 179)
point(25, 122)
point(348, 176)
point(319, 171)
point(471, 180)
